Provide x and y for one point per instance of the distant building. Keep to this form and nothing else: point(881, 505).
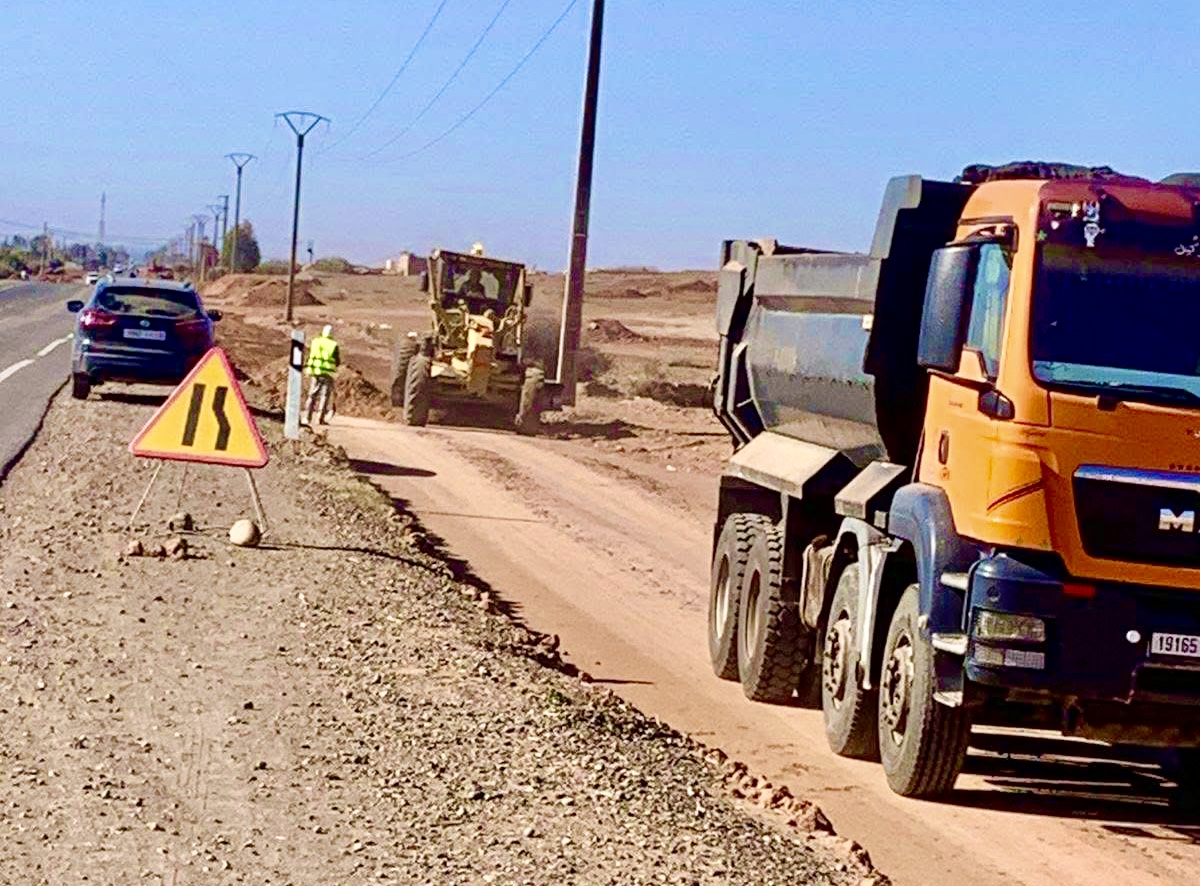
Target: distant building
point(406, 265)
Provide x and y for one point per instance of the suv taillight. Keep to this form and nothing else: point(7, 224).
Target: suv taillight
point(97, 318)
point(194, 330)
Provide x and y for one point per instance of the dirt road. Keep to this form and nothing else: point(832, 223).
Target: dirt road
point(611, 554)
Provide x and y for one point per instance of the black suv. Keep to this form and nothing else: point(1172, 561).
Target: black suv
point(130, 330)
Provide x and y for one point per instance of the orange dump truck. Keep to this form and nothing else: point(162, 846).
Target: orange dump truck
point(966, 469)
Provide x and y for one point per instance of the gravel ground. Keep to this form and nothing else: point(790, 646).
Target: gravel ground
point(333, 707)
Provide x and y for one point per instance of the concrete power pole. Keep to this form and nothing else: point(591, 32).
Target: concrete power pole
point(302, 126)
point(572, 315)
point(239, 160)
point(199, 221)
point(100, 233)
point(224, 198)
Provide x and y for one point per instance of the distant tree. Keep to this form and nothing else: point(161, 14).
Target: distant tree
point(248, 254)
point(333, 264)
point(274, 266)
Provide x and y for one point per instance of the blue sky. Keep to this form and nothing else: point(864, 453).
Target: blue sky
point(718, 118)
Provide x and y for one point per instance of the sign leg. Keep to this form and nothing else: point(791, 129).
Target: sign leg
point(145, 495)
point(258, 508)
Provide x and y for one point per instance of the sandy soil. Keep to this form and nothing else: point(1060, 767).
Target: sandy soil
point(337, 706)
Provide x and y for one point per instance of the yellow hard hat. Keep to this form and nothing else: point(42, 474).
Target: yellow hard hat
point(477, 249)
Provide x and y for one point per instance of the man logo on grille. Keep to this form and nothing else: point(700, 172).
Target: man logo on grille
point(1168, 520)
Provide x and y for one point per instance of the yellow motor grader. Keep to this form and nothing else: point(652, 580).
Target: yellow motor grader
point(473, 355)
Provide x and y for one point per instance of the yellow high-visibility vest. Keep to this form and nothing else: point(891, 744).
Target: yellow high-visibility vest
point(322, 356)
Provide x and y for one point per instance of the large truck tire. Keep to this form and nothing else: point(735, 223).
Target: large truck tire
point(1182, 766)
point(848, 709)
point(922, 744)
point(725, 588)
point(770, 637)
point(418, 391)
point(529, 406)
point(406, 348)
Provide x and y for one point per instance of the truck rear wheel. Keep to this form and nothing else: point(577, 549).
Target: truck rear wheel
point(922, 743)
point(406, 348)
point(770, 638)
point(849, 710)
point(418, 391)
point(725, 588)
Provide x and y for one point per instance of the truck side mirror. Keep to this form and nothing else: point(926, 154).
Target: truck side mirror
point(947, 306)
point(423, 281)
point(527, 295)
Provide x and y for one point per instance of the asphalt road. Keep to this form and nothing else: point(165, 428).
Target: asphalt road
point(35, 331)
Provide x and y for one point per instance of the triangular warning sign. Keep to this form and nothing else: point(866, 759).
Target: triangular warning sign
point(205, 419)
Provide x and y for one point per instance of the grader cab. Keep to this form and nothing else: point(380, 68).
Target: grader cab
point(474, 352)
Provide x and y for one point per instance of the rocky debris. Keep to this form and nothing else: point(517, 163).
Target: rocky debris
point(181, 522)
point(338, 708)
point(606, 330)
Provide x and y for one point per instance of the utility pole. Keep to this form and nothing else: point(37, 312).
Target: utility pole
point(239, 160)
point(103, 201)
point(303, 125)
point(45, 247)
point(224, 198)
point(199, 221)
point(572, 314)
point(215, 209)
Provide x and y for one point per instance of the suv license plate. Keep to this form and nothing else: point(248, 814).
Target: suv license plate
point(1175, 644)
point(146, 334)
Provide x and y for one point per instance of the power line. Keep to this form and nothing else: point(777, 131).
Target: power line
point(416, 46)
point(487, 98)
point(454, 76)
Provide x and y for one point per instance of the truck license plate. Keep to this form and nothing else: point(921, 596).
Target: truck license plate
point(146, 334)
point(1175, 644)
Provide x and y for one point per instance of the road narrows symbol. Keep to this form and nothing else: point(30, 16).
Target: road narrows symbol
point(193, 416)
point(223, 426)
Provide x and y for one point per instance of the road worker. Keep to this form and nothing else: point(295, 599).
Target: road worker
point(321, 366)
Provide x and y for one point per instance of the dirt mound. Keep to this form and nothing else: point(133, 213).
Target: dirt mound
point(353, 394)
point(233, 284)
point(699, 284)
point(605, 330)
point(273, 293)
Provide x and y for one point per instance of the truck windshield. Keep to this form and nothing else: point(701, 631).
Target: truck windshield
point(1116, 321)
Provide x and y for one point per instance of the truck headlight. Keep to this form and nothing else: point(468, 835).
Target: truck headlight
point(1005, 626)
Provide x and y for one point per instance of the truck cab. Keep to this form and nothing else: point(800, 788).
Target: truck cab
point(977, 450)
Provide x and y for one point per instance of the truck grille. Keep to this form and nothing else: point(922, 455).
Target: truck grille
point(1139, 516)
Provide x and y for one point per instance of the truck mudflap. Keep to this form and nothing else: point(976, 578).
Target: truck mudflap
point(793, 467)
point(1091, 647)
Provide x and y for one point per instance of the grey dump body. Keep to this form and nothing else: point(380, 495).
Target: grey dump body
point(820, 347)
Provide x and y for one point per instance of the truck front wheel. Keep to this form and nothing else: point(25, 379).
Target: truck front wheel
point(725, 586)
point(418, 391)
point(849, 710)
point(922, 743)
point(771, 640)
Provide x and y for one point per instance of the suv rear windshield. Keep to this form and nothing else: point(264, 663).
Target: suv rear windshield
point(148, 301)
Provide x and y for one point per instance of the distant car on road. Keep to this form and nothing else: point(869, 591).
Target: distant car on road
point(118, 269)
point(92, 278)
point(138, 331)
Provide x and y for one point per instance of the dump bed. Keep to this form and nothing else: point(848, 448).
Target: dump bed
point(821, 346)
